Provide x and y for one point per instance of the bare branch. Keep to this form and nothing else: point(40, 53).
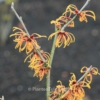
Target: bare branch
point(19, 17)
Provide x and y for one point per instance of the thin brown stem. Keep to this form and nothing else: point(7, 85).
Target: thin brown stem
point(50, 63)
point(20, 18)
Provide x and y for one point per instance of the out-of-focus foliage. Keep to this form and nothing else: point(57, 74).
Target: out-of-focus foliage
point(8, 2)
point(6, 19)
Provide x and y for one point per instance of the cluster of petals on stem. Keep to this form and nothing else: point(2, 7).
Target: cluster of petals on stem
point(62, 20)
point(63, 38)
point(35, 62)
point(75, 91)
point(88, 77)
point(58, 91)
point(24, 41)
point(82, 14)
point(67, 19)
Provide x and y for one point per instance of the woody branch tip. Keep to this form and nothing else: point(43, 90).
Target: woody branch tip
point(19, 18)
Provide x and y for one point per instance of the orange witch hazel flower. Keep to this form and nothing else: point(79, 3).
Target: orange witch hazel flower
point(67, 96)
point(63, 19)
point(76, 88)
point(24, 41)
point(59, 90)
point(59, 22)
point(63, 38)
point(40, 68)
point(82, 14)
point(41, 71)
point(88, 77)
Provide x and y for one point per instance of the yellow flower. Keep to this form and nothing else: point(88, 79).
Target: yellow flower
point(73, 82)
point(64, 19)
point(63, 38)
point(33, 57)
point(67, 96)
point(88, 77)
point(24, 41)
point(77, 87)
point(82, 14)
point(19, 38)
point(59, 90)
point(41, 71)
point(59, 22)
point(70, 9)
point(40, 68)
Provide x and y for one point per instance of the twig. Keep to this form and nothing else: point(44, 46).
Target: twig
point(20, 18)
point(86, 3)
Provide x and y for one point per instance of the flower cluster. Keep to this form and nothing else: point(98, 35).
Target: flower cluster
point(82, 14)
point(36, 63)
point(75, 91)
point(66, 19)
point(29, 43)
point(59, 90)
point(88, 77)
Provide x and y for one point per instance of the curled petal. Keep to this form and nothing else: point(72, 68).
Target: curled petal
point(92, 14)
point(73, 77)
point(53, 22)
point(16, 34)
point(16, 28)
point(50, 37)
point(59, 82)
point(86, 83)
point(95, 71)
point(39, 36)
point(29, 56)
point(83, 69)
point(71, 8)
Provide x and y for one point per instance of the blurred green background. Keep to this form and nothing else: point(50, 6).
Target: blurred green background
point(16, 79)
